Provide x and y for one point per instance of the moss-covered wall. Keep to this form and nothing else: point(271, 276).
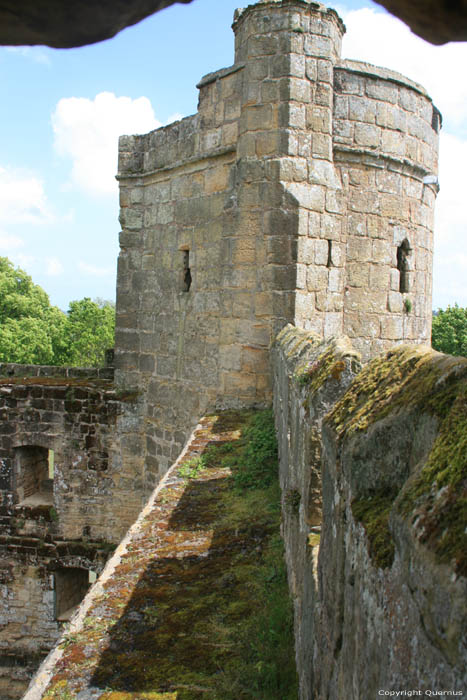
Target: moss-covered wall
point(388, 600)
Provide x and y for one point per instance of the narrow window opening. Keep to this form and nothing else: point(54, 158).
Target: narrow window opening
point(436, 120)
point(329, 262)
point(34, 475)
point(186, 271)
point(71, 585)
point(403, 253)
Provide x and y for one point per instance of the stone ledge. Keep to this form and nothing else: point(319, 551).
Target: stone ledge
point(219, 74)
point(368, 69)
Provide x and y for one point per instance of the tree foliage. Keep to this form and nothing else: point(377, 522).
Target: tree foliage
point(449, 332)
point(34, 332)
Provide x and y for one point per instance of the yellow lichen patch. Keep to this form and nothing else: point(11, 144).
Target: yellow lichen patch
point(313, 539)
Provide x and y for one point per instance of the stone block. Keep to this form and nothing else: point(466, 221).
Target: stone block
point(379, 90)
point(341, 107)
point(321, 252)
point(229, 134)
point(306, 251)
point(255, 360)
point(230, 357)
point(361, 325)
point(395, 302)
point(333, 325)
point(263, 304)
point(382, 252)
point(318, 119)
point(296, 116)
point(308, 196)
point(242, 304)
point(335, 279)
point(367, 135)
point(321, 146)
point(243, 250)
point(317, 278)
point(311, 69)
point(278, 249)
point(392, 328)
point(380, 277)
point(270, 90)
point(239, 384)
point(317, 45)
point(393, 142)
point(361, 109)
point(296, 89)
point(358, 275)
point(349, 83)
point(359, 249)
point(257, 118)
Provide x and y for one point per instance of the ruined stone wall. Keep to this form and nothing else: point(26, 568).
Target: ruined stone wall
point(77, 418)
point(56, 527)
point(380, 583)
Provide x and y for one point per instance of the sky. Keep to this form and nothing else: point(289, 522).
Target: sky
point(65, 108)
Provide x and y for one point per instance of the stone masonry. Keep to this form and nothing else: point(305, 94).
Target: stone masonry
point(66, 500)
point(301, 192)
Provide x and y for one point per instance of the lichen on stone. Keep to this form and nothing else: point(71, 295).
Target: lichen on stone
point(415, 382)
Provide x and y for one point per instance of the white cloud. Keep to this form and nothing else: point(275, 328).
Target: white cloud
point(9, 242)
point(22, 198)
point(53, 267)
point(34, 53)
point(87, 131)
point(381, 39)
point(94, 270)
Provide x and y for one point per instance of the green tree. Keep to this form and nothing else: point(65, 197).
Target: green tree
point(449, 332)
point(34, 332)
point(31, 330)
point(90, 331)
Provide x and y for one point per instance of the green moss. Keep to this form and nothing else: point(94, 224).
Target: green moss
point(373, 513)
point(436, 498)
point(329, 365)
point(198, 608)
point(415, 380)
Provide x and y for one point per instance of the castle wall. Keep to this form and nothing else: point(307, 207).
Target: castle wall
point(56, 526)
point(385, 150)
point(374, 548)
point(285, 199)
point(76, 417)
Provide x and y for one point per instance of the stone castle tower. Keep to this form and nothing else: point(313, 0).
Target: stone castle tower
point(301, 192)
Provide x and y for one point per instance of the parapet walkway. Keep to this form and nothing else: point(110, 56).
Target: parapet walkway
point(147, 629)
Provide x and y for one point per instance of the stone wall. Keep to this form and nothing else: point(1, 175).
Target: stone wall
point(380, 584)
point(385, 135)
point(301, 192)
point(56, 526)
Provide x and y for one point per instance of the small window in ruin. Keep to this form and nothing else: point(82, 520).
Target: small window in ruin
point(329, 262)
point(186, 280)
point(403, 253)
point(71, 585)
point(34, 475)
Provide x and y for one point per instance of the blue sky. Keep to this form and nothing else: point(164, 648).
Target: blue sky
point(63, 111)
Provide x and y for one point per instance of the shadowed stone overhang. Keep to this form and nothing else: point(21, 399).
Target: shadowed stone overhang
point(78, 22)
point(436, 21)
point(72, 23)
